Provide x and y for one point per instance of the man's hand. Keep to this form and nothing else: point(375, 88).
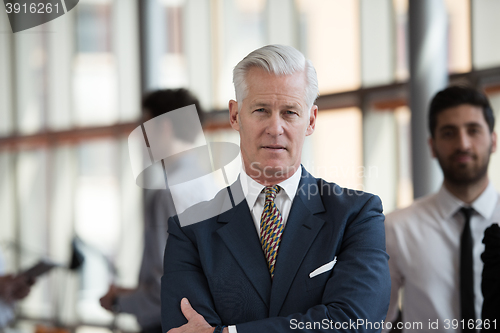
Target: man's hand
point(6, 284)
point(108, 301)
point(15, 287)
point(196, 323)
point(22, 286)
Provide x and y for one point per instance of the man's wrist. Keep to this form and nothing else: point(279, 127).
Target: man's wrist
point(220, 329)
point(114, 303)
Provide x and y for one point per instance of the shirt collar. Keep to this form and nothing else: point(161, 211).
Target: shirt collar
point(252, 189)
point(484, 204)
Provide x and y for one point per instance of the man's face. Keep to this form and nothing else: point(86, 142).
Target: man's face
point(462, 144)
point(273, 122)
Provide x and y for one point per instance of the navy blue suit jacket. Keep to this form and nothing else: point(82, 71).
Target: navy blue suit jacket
point(219, 265)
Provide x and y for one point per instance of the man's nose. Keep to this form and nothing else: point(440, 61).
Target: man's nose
point(464, 140)
point(275, 124)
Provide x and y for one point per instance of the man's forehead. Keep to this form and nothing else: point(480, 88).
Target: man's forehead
point(264, 87)
point(263, 102)
point(462, 114)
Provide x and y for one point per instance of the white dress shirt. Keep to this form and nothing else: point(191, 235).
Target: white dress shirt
point(256, 200)
point(423, 242)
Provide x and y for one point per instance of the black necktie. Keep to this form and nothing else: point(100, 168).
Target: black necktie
point(467, 272)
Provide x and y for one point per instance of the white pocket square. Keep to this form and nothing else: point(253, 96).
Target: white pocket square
point(325, 268)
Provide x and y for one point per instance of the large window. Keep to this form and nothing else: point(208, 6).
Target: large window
point(70, 94)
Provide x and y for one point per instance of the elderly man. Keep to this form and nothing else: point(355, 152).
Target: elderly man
point(295, 252)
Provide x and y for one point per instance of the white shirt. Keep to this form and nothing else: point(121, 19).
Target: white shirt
point(423, 242)
point(256, 200)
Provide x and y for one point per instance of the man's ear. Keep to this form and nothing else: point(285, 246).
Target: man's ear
point(431, 146)
point(312, 120)
point(233, 115)
point(493, 142)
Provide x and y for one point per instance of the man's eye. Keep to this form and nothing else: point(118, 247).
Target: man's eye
point(260, 110)
point(447, 134)
point(288, 112)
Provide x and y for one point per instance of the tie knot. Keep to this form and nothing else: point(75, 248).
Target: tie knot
point(467, 211)
point(271, 192)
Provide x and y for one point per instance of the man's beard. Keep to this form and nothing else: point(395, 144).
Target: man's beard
point(462, 175)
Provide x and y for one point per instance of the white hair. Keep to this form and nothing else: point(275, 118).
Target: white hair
point(279, 60)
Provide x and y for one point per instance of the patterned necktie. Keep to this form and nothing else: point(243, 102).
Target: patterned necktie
point(467, 273)
point(271, 227)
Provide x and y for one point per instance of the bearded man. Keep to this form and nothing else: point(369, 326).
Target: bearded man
point(435, 244)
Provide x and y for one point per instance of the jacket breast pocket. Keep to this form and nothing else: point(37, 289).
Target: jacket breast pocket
point(318, 281)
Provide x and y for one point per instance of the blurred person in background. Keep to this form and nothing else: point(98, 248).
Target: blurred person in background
point(144, 301)
point(435, 245)
point(12, 288)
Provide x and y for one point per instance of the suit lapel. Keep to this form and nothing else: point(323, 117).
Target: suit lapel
point(300, 232)
point(241, 239)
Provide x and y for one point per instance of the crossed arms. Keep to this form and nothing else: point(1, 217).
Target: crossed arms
point(199, 266)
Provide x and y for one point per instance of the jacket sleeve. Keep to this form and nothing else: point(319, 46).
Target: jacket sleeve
point(183, 277)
